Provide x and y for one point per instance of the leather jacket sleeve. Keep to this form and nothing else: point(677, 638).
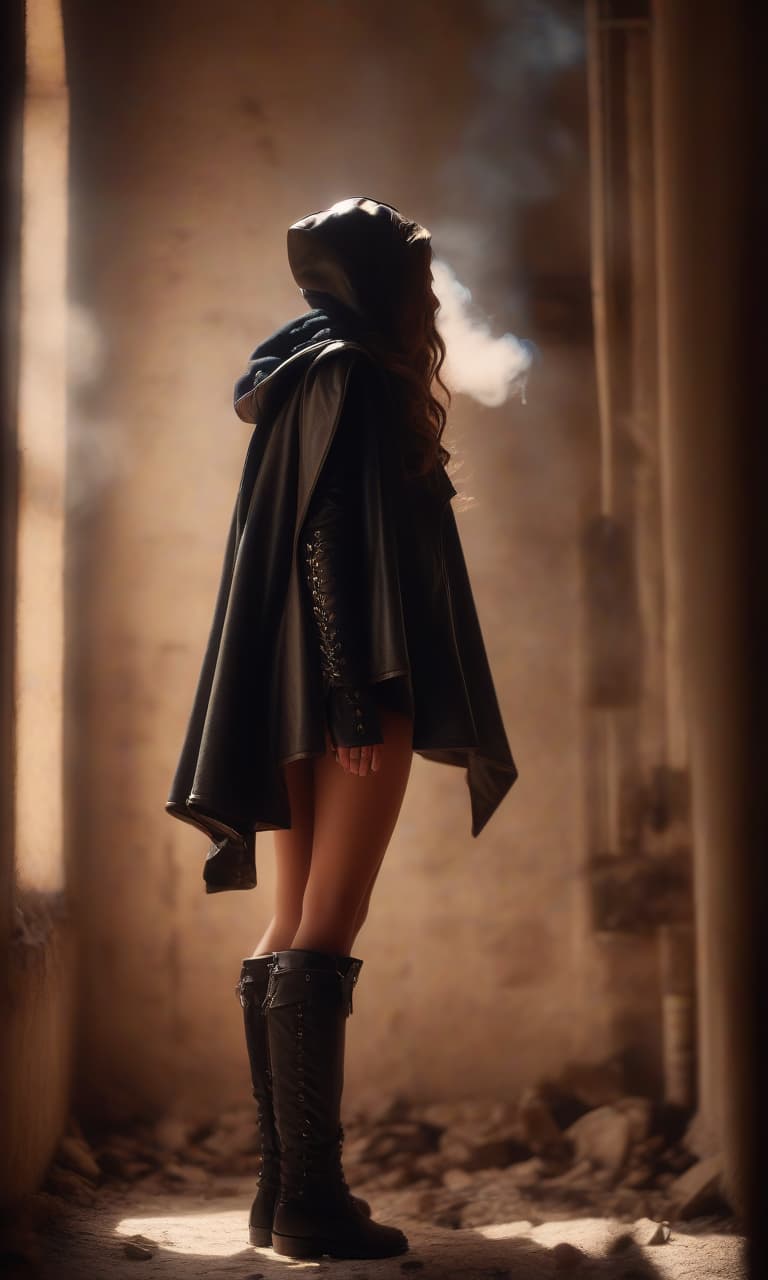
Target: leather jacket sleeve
point(332, 573)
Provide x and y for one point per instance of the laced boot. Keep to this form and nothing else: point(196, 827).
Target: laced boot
point(309, 998)
point(252, 990)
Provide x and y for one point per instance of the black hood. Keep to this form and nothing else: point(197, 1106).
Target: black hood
point(362, 256)
point(356, 263)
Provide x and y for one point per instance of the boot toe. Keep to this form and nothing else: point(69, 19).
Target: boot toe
point(301, 1232)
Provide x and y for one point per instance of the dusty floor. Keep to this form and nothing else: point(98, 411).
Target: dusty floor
point(188, 1234)
point(587, 1183)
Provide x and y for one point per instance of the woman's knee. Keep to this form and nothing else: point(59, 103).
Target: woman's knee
point(288, 922)
point(279, 933)
point(331, 931)
point(329, 925)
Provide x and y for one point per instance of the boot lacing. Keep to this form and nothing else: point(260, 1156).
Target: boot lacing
point(324, 1167)
point(317, 1160)
point(269, 1178)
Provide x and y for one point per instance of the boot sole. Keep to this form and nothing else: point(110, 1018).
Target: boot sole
point(316, 1247)
point(261, 1237)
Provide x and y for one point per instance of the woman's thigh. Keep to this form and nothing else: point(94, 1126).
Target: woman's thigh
point(354, 817)
point(293, 845)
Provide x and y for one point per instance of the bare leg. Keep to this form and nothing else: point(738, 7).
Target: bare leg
point(293, 853)
point(362, 911)
point(354, 817)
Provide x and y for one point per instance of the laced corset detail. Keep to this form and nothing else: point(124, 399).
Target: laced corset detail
point(335, 581)
point(323, 590)
point(352, 712)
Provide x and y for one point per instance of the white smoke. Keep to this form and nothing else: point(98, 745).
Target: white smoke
point(488, 369)
point(519, 144)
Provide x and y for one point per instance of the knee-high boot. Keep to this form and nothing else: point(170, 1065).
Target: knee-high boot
point(309, 997)
point(252, 990)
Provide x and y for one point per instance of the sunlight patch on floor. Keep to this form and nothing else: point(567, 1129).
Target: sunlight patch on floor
point(211, 1233)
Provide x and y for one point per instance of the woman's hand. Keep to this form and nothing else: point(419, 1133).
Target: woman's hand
point(359, 760)
point(354, 728)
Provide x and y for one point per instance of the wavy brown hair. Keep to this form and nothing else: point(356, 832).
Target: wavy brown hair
point(379, 263)
point(412, 350)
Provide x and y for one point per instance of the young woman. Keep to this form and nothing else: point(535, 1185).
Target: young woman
point(344, 638)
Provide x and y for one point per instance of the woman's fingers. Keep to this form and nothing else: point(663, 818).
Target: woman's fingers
point(359, 760)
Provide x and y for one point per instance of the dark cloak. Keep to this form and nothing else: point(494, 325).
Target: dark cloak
point(259, 699)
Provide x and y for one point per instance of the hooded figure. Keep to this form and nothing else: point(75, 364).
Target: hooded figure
point(398, 624)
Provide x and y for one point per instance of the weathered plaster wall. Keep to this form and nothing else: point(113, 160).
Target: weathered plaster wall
point(197, 146)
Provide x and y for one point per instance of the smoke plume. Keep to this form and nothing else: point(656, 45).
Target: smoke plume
point(486, 368)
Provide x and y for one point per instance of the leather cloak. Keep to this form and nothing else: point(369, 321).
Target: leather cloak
point(259, 699)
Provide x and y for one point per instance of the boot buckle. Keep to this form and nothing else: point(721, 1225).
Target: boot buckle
point(348, 982)
point(271, 990)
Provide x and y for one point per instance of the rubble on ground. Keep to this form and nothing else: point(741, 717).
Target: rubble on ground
point(572, 1149)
